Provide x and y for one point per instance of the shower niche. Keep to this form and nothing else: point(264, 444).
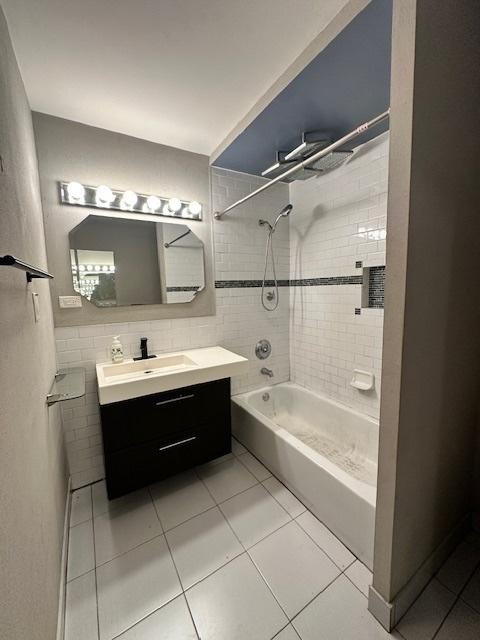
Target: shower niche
point(373, 287)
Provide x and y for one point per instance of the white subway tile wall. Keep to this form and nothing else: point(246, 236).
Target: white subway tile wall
point(339, 219)
point(239, 323)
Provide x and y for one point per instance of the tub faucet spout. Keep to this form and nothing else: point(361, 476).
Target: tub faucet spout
point(267, 372)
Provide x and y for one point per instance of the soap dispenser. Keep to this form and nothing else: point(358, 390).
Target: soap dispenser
point(116, 350)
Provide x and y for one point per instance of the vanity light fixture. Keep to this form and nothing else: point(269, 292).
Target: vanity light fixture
point(129, 198)
point(195, 207)
point(103, 197)
point(76, 191)
point(174, 204)
point(153, 203)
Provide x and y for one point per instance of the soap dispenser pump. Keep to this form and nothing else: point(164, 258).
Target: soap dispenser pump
point(116, 350)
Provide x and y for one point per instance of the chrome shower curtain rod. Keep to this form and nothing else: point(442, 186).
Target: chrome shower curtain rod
point(169, 244)
point(308, 161)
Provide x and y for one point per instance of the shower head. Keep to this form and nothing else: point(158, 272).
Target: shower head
point(283, 214)
point(286, 210)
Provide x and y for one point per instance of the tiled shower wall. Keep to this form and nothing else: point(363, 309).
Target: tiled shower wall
point(339, 220)
point(239, 323)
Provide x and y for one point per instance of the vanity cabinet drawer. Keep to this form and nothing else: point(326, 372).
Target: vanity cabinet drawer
point(138, 466)
point(140, 420)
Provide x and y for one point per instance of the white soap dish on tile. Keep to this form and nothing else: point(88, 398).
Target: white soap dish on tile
point(362, 380)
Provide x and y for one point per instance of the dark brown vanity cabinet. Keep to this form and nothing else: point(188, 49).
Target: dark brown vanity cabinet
point(149, 438)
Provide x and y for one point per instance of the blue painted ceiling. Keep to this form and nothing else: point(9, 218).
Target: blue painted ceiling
point(347, 84)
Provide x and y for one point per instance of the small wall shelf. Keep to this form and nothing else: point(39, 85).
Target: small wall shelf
point(67, 385)
point(32, 272)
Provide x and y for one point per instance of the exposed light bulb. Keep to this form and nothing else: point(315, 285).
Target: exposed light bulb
point(174, 204)
point(89, 267)
point(130, 198)
point(195, 207)
point(105, 267)
point(76, 191)
point(81, 267)
point(97, 267)
point(153, 203)
point(104, 195)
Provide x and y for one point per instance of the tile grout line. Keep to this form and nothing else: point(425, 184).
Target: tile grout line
point(272, 475)
point(119, 556)
point(95, 565)
point(457, 598)
point(344, 573)
point(314, 598)
point(247, 553)
point(124, 553)
point(246, 550)
point(328, 555)
point(292, 519)
point(175, 567)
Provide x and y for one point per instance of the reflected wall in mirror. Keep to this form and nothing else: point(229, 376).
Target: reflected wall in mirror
point(124, 262)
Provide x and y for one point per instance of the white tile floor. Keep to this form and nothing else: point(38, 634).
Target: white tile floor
point(226, 552)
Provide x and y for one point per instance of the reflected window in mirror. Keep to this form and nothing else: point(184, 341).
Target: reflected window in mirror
point(125, 262)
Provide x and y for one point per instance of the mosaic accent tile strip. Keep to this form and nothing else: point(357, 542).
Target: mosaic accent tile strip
point(247, 284)
point(303, 282)
point(376, 287)
point(333, 280)
point(190, 288)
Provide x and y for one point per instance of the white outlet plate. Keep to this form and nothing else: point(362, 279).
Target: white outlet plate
point(69, 302)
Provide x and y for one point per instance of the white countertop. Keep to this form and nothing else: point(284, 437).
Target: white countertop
point(134, 379)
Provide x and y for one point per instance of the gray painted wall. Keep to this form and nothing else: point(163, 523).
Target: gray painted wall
point(33, 479)
point(72, 151)
point(431, 376)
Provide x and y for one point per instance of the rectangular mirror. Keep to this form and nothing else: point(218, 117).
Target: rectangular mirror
point(124, 262)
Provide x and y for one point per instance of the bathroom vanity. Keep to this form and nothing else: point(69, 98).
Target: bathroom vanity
point(164, 415)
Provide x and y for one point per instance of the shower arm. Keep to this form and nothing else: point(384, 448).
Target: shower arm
point(303, 164)
point(169, 244)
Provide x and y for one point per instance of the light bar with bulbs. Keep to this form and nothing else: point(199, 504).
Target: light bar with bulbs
point(103, 197)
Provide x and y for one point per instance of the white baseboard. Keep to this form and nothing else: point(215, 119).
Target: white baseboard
point(63, 566)
point(390, 613)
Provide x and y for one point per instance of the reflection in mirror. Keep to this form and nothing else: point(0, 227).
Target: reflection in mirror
point(122, 262)
point(93, 274)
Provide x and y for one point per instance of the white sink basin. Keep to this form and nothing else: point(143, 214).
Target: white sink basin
point(136, 378)
point(134, 369)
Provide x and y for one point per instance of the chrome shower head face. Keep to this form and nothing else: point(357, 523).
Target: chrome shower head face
point(285, 212)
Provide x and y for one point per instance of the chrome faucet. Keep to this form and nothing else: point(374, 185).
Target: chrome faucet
point(266, 372)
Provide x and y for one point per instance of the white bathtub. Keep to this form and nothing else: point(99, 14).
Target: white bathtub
point(323, 451)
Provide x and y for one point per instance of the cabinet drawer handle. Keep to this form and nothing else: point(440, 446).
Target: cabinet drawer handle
point(177, 399)
point(176, 444)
